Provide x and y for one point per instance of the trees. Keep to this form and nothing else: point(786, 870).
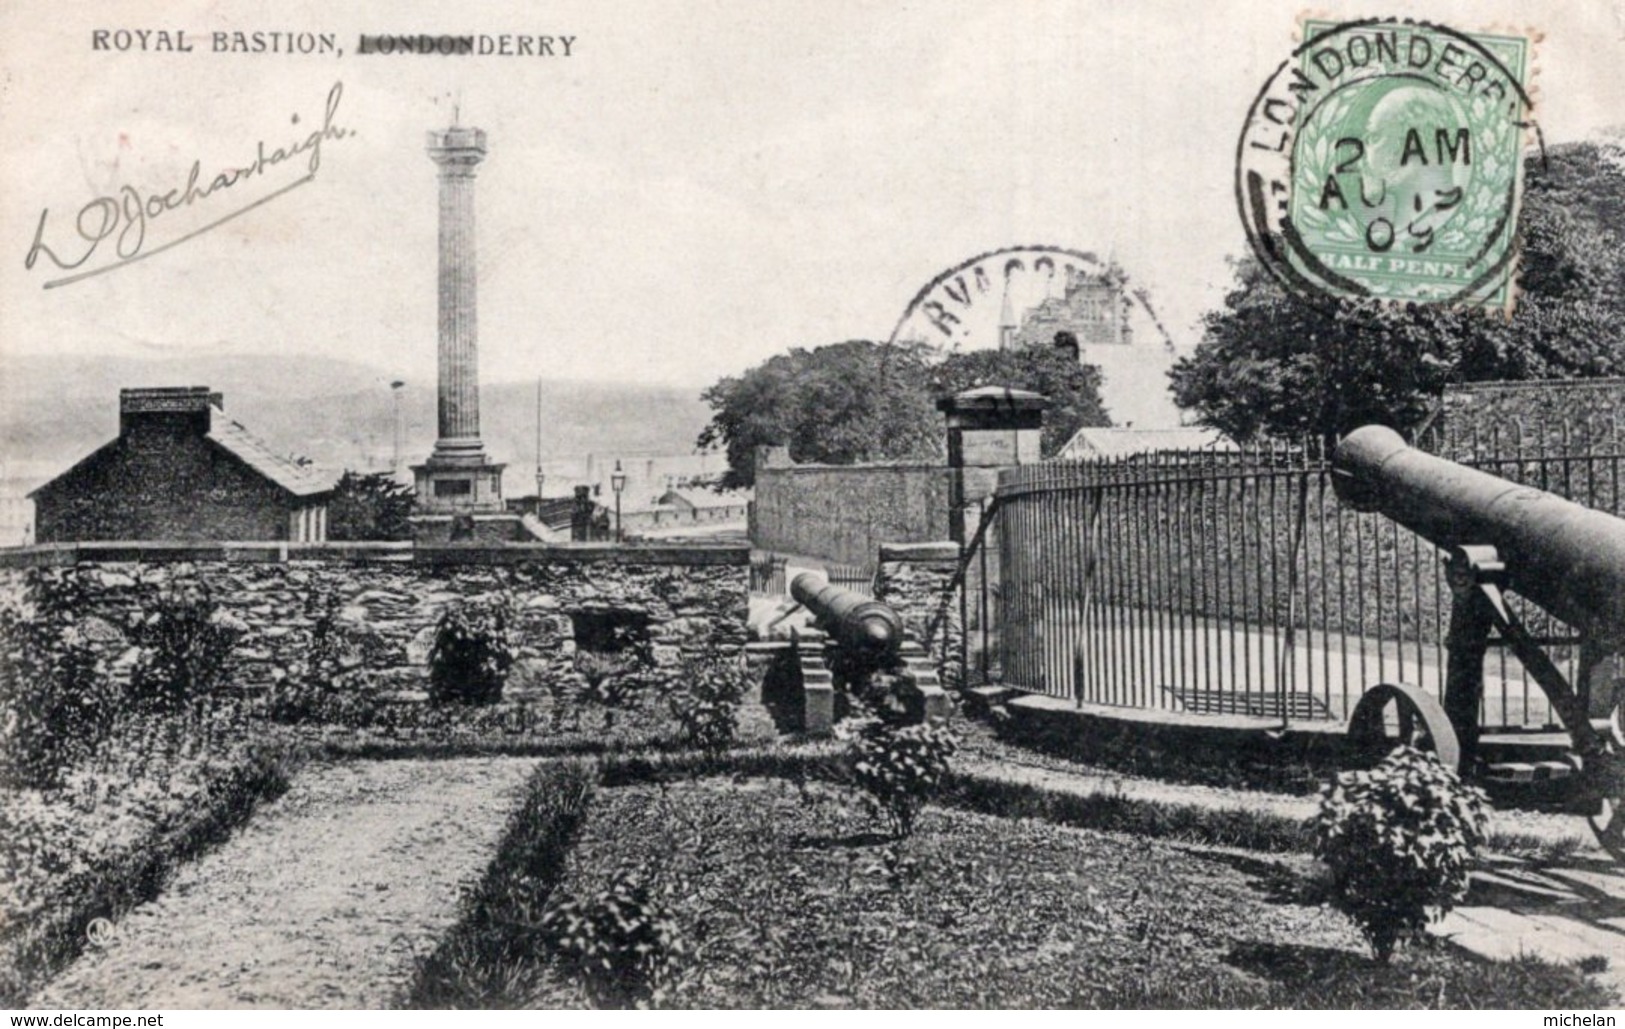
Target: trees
point(861, 401)
point(1271, 363)
point(839, 404)
point(1073, 389)
point(370, 506)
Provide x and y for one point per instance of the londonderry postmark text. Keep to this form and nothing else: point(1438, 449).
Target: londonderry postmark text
point(1385, 158)
point(121, 220)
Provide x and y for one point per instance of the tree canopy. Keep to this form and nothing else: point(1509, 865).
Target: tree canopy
point(861, 401)
point(1271, 363)
point(371, 506)
point(1073, 388)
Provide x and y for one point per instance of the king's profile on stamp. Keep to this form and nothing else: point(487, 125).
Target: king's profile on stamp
point(1383, 160)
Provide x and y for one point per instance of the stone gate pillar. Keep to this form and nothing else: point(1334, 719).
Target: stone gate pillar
point(989, 428)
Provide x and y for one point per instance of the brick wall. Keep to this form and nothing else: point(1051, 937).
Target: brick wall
point(844, 513)
point(391, 595)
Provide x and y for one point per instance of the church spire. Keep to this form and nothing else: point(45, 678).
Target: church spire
point(1007, 321)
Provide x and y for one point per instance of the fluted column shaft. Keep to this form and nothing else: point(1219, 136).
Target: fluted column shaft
point(458, 151)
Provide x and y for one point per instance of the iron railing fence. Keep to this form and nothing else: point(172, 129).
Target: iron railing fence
point(767, 575)
point(770, 574)
point(857, 578)
point(1234, 581)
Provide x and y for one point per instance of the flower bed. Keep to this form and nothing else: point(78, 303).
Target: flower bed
point(778, 894)
point(106, 837)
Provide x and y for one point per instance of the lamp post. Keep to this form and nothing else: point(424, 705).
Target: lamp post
point(395, 451)
point(617, 483)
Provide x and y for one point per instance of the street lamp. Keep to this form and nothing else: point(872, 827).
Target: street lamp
point(617, 483)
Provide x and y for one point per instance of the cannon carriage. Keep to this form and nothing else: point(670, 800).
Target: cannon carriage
point(861, 647)
point(1565, 558)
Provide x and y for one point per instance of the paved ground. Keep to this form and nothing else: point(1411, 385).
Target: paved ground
point(1566, 913)
point(321, 901)
point(1553, 828)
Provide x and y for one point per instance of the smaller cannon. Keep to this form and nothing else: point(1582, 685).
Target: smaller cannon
point(860, 647)
point(1564, 557)
point(853, 620)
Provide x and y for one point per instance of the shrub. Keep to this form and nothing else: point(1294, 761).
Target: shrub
point(471, 654)
point(185, 640)
point(608, 681)
point(705, 700)
point(899, 767)
point(1398, 840)
point(304, 693)
point(621, 945)
point(55, 702)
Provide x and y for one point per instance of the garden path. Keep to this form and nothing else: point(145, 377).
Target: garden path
point(321, 901)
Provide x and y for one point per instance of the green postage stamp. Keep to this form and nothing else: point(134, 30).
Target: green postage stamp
point(1384, 159)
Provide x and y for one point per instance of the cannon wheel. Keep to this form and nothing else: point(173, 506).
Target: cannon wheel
point(1609, 822)
point(1422, 724)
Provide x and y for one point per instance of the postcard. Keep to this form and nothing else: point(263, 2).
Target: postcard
point(811, 505)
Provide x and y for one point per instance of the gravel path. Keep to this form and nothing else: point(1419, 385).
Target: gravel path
point(321, 901)
point(1549, 827)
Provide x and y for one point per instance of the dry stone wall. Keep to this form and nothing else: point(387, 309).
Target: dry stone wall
point(389, 599)
point(915, 580)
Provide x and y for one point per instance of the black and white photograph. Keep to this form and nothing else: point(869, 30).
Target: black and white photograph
point(909, 505)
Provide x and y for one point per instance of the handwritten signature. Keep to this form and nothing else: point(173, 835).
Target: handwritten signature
point(123, 217)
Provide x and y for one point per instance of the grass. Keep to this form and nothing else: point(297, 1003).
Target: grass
point(786, 894)
point(480, 963)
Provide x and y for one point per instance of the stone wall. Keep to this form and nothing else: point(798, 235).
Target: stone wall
point(389, 597)
point(1570, 416)
point(913, 579)
point(843, 513)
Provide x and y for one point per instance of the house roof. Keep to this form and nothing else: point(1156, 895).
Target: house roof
point(53, 480)
point(1095, 442)
point(252, 451)
point(555, 512)
point(994, 398)
point(706, 498)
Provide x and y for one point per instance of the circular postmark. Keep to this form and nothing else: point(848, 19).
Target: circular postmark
point(1384, 159)
point(1019, 295)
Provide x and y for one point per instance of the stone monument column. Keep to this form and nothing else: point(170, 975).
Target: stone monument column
point(458, 152)
point(458, 477)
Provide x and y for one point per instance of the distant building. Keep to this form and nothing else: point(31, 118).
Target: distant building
point(1108, 444)
point(700, 506)
point(181, 470)
point(1094, 308)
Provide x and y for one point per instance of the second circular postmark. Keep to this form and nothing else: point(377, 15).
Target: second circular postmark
point(1385, 158)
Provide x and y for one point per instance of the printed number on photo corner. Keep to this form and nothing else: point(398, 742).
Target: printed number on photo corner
point(100, 932)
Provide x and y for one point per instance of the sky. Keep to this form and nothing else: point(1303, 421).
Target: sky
point(699, 186)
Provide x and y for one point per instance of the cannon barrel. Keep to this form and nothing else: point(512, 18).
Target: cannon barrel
point(851, 618)
point(1568, 558)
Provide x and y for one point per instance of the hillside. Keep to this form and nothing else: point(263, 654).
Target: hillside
point(338, 413)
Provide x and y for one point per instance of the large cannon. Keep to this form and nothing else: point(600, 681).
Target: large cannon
point(1564, 557)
